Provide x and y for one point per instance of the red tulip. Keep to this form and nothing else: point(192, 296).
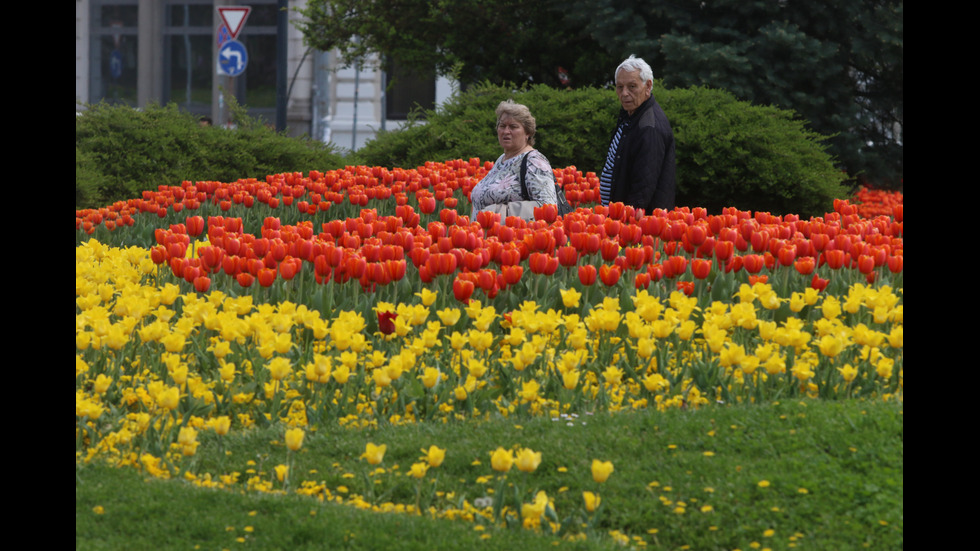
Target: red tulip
point(787, 255)
point(592, 243)
point(487, 219)
point(701, 268)
point(612, 226)
point(835, 258)
point(271, 223)
point(245, 279)
point(805, 265)
point(396, 269)
point(696, 235)
point(202, 284)
point(158, 254)
point(609, 274)
point(687, 287)
point(676, 265)
point(512, 274)
point(610, 249)
point(866, 264)
point(211, 257)
point(819, 241)
point(587, 274)
point(509, 255)
point(568, 255)
point(635, 257)
point(753, 263)
point(551, 266)
point(267, 276)
point(538, 262)
point(760, 241)
point(191, 269)
point(448, 216)
point(542, 240)
point(386, 322)
point(548, 213)
point(472, 261)
point(195, 225)
point(724, 250)
point(896, 263)
point(486, 280)
point(463, 289)
point(321, 266)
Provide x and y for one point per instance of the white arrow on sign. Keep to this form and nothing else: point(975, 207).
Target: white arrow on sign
point(228, 54)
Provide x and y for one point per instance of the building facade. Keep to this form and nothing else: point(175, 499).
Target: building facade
point(137, 52)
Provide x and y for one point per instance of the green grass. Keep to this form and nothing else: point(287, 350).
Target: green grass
point(834, 472)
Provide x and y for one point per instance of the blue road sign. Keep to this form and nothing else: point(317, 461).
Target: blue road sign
point(223, 35)
point(232, 59)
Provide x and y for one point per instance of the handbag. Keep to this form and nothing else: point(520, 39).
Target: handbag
point(562, 203)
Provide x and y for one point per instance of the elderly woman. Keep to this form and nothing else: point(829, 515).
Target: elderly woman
point(500, 190)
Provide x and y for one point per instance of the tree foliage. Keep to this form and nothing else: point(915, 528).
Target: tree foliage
point(837, 63)
point(475, 40)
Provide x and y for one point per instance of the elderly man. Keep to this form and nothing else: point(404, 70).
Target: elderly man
point(640, 165)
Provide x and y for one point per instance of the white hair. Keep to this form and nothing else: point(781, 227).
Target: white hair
point(634, 63)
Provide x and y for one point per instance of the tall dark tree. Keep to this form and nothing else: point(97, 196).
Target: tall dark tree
point(499, 40)
point(837, 63)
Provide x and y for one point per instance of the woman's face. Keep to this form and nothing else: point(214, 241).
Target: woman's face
point(511, 134)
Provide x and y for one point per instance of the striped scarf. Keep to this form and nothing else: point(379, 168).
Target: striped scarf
point(605, 179)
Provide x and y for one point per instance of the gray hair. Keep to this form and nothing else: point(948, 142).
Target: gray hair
point(521, 114)
point(635, 64)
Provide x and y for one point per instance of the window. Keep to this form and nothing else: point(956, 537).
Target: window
point(188, 55)
point(113, 53)
point(408, 89)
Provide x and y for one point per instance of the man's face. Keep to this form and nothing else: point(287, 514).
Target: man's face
point(631, 90)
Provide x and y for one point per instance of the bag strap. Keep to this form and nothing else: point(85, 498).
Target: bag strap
point(524, 194)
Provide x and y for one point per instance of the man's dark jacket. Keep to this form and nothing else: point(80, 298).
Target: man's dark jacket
point(643, 174)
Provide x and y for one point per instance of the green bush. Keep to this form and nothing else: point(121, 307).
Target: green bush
point(729, 152)
point(122, 151)
point(87, 178)
point(761, 158)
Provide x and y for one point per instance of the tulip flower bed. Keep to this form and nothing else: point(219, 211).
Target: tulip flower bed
point(369, 297)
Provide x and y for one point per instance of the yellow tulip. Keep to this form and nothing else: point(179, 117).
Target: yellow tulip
point(570, 379)
point(570, 298)
point(282, 471)
point(434, 455)
point(169, 398)
point(279, 368)
point(591, 501)
point(102, 383)
point(427, 296)
point(534, 511)
point(418, 470)
point(294, 438)
point(430, 377)
point(502, 460)
point(528, 460)
point(374, 454)
point(601, 470)
point(221, 425)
